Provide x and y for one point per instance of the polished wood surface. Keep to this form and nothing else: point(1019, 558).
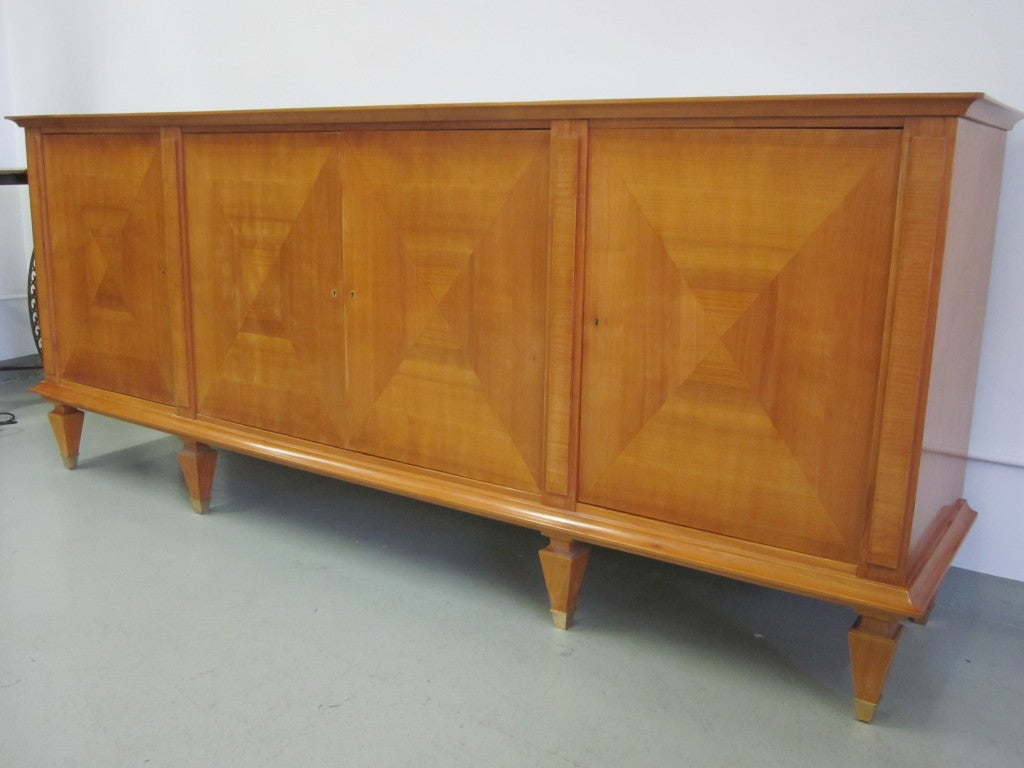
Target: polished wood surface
point(564, 562)
point(718, 374)
point(725, 333)
point(198, 462)
point(927, 158)
point(107, 264)
point(959, 316)
point(67, 423)
point(565, 308)
point(873, 642)
point(266, 281)
point(446, 243)
point(847, 108)
point(757, 563)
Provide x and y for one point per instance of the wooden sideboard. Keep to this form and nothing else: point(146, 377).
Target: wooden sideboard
point(736, 334)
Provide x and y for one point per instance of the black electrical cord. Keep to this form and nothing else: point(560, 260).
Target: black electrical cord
point(7, 418)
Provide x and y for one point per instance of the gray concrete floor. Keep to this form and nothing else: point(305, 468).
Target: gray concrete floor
point(309, 622)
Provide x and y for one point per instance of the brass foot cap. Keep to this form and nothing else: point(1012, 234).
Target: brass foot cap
point(561, 619)
point(864, 710)
point(201, 506)
point(70, 461)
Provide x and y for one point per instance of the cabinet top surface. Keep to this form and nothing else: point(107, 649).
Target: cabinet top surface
point(974, 106)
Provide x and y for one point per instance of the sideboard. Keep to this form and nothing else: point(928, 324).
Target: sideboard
point(737, 334)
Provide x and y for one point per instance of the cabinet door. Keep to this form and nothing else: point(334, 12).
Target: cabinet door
point(735, 302)
point(446, 243)
point(266, 276)
point(106, 262)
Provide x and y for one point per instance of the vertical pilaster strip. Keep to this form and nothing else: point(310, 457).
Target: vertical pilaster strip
point(917, 263)
point(568, 171)
point(178, 287)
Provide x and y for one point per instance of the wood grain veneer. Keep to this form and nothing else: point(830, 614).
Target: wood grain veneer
point(738, 334)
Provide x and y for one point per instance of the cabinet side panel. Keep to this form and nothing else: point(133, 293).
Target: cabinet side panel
point(41, 240)
point(970, 237)
point(107, 262)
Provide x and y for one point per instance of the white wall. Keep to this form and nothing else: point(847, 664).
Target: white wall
point(125, 55)
point(15, 239)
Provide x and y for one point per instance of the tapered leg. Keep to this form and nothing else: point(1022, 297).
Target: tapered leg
point(924, 617)
point(873, 642)
point(198, 462)
point(66, 423)
point(564, 562)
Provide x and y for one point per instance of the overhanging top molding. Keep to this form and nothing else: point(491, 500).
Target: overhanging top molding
point(973, 106)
